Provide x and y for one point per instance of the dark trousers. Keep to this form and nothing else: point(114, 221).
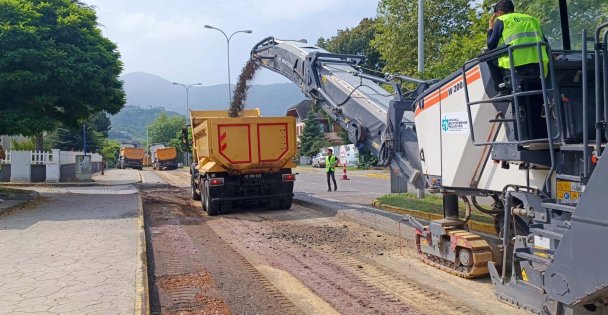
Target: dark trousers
point(333, 177)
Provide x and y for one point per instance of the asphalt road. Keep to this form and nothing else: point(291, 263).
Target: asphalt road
point(356, 190)
point(328, 254)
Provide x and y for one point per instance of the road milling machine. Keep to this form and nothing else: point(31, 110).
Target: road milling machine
point(532, 141)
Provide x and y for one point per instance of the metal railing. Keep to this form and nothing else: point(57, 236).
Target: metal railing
point(549, 101)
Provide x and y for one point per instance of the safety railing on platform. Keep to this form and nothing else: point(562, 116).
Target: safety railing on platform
point(549, 94)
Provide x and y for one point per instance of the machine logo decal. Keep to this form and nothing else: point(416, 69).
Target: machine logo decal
point(455, 123)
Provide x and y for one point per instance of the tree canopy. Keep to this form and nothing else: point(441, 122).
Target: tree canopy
point(455, 31)
point(312, 138)
point(356, 41)
point(55, 66)
point(166, 130)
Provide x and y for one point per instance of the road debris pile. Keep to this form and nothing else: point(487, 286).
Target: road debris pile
point(348, 239)
point(240, 90)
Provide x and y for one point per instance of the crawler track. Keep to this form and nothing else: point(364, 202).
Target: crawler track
point(480, 249)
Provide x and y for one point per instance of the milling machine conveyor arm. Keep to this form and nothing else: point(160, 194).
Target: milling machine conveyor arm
point(372, 116)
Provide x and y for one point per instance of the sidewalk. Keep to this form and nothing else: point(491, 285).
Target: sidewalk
point(72, 251)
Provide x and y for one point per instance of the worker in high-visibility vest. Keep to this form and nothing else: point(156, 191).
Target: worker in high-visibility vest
point(507, 28)
point(330, 168)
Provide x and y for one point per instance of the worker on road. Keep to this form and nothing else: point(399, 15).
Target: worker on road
point(330, 168)
point(509, 29)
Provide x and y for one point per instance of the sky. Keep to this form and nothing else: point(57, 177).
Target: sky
point(167, 38)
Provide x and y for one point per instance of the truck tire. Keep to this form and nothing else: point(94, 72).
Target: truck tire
point(195, 195)
point(286, 203)
point(274, 204)
point(213, 208)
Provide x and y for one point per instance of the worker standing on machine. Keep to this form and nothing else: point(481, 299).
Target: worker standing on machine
point(509, 28)
point(330, 168)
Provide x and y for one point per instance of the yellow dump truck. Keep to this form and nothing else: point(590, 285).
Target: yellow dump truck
point(164, 158)
point(242, 160)
point(131, 157)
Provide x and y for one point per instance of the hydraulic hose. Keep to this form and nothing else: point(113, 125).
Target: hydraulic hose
point(484, 210)
point(467, 208)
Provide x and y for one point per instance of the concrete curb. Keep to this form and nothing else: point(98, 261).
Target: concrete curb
point(473, 225)
point(142, 296)
point(27, 195)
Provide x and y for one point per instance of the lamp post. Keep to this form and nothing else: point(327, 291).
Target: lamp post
point(187, 87)
point(228, 38)
point(420, 35)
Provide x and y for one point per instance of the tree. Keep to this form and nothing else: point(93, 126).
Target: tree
point(71, 138)
point(311, 140)
point(355, 41)
point(582, 14)
point(101, 123)
point(109, 151)
point(55, 67)
point(166, 130)
point(396, 36)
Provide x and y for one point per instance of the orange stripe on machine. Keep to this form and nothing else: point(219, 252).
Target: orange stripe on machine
point(446, 90)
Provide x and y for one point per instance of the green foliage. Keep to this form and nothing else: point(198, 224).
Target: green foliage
point(55, 66)
point(366, 159)
point(397, 27)
point(431, 203)
point(23, 145)
point(343, 135)
point(312, 136)
point(165, 128)
point(355, 41)
point(109, 151)
point(583, 14)
point(319, 144)
point(101, 123)
point(129, 125)
point(71, 138)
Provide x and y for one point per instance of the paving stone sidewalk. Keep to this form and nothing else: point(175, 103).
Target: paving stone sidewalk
point(70, 252)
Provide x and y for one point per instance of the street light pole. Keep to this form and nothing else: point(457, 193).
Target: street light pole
point(420, 35)
point(228, 38)
point(187, 87)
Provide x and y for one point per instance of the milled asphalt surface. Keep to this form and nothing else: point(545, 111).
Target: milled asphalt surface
point(72, 251)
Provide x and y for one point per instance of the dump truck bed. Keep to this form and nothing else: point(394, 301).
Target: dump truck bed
point(243, 145)
point(132, 153)
point(163, 154)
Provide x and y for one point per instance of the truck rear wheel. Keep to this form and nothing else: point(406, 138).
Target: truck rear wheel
point(286, 203)
point(213, 208)
point(275, 204)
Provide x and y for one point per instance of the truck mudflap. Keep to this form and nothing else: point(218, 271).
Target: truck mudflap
point(254, 197)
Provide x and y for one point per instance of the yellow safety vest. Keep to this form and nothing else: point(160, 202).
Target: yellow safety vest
point(521, 29)
point(330, 163)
